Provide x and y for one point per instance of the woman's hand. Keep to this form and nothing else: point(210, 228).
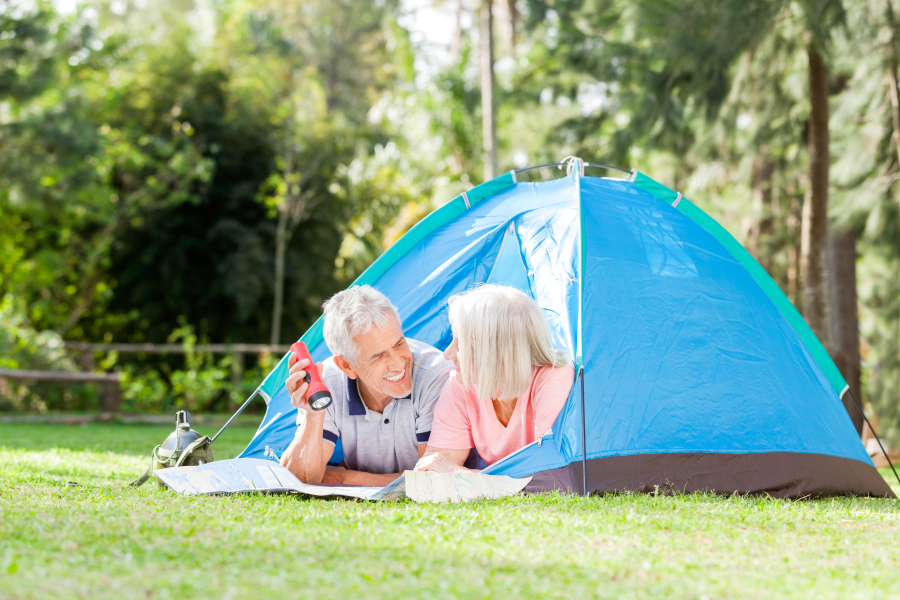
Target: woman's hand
point(439, 463)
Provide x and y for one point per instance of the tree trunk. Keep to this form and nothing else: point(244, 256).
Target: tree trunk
point(761, 240)
point(281, 233)
point(488, 106)
point(814, 235)
point(894, 83)
point(513, 24)
point(278, 303)
point(792, 274)
point(456, 45)
point(844, 321)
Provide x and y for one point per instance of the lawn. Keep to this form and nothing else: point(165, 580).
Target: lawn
point(101, 539)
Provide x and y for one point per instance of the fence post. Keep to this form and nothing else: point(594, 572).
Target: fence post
point(237, 376)
point(111, 397)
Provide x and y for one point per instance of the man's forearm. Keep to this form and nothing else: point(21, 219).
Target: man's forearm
point(304, 456)
point(347, 477)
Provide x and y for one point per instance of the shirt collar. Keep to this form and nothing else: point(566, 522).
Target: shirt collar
point(355, 405)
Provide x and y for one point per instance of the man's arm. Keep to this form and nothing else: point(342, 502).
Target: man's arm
point(348, 477)
point(308, 454)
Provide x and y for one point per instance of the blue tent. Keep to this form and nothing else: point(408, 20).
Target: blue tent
point(695, 372)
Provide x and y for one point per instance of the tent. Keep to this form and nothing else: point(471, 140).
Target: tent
point(695, 372)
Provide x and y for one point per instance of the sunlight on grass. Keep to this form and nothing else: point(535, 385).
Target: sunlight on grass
point(105, 540)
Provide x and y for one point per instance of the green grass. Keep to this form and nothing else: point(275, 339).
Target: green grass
point(105, 540)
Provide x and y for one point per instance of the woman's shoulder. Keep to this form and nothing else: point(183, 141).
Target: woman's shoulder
point(454, 388)
point(547, 373)
point(453, 399)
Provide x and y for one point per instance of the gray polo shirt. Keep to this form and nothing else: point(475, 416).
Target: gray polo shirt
point(385, 442)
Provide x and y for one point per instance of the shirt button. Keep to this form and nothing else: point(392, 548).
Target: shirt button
point(386, 421)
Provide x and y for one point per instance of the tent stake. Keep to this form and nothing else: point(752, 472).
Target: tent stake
point(872, 429)
point(583, 438)
point(234, 416)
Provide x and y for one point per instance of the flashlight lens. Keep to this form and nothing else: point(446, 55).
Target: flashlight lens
point(320, 403)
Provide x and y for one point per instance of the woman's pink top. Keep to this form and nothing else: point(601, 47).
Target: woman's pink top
point(461, 421)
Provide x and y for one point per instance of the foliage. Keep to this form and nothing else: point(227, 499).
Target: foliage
point(22, 347)
point(201, 380)
point(866, 198)
point(153, 154)
point(105, 540)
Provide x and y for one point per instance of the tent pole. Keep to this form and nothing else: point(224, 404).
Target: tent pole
point(872, 429)
point(235, 415)
point(583, 438)
point(587, 164)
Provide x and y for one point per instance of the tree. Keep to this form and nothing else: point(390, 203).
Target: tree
point(325, 64)
point(845, 325)
point(488, 104)
point(864, 186)
point(76, 161)
point(814, 235)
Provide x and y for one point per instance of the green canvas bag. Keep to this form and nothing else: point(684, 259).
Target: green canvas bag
point(184, 447)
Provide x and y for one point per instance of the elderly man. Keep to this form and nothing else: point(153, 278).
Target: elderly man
point(384, 388)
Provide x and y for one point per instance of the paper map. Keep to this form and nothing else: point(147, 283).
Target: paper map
point(427, 486)
point(242, 475)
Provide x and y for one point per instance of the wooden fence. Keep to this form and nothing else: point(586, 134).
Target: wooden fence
point(110, 383)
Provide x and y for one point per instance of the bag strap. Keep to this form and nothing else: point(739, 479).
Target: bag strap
point(203, 441)
point(143, 478)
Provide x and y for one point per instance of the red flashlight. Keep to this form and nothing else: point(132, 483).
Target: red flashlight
point(318, 394)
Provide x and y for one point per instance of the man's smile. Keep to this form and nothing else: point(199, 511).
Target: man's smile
point(397, 377)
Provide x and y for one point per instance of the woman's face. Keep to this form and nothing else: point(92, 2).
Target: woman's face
point(452, 353)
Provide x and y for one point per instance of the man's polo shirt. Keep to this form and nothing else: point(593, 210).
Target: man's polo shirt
point(385, 442)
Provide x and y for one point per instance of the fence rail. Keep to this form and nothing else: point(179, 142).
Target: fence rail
point(236, 351)
point(178, 348)
point(110, 383)
point(59, 376)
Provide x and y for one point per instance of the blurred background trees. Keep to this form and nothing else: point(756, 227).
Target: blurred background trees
point(193, 170)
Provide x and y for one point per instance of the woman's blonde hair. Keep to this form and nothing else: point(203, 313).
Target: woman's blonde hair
point(502, 334)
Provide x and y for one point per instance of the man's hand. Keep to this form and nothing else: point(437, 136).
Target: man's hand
point(307, 455)
point(334, 475)
point(297, 386)
point(439, 463)
point(340, 475)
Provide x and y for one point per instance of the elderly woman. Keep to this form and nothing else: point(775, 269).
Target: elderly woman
point(509, 384)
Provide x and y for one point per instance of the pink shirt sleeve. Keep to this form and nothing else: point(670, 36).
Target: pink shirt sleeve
point(550, 395)
point(451, 428)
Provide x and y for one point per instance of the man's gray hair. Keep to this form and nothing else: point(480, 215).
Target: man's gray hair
point(502, 334)
point(353, 312)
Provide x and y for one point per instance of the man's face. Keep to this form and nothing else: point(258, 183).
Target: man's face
point(384, 363)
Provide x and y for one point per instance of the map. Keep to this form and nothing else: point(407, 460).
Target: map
point(247, 475)
point(243, 475)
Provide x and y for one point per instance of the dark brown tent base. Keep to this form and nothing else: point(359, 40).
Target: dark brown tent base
point(776, 474)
